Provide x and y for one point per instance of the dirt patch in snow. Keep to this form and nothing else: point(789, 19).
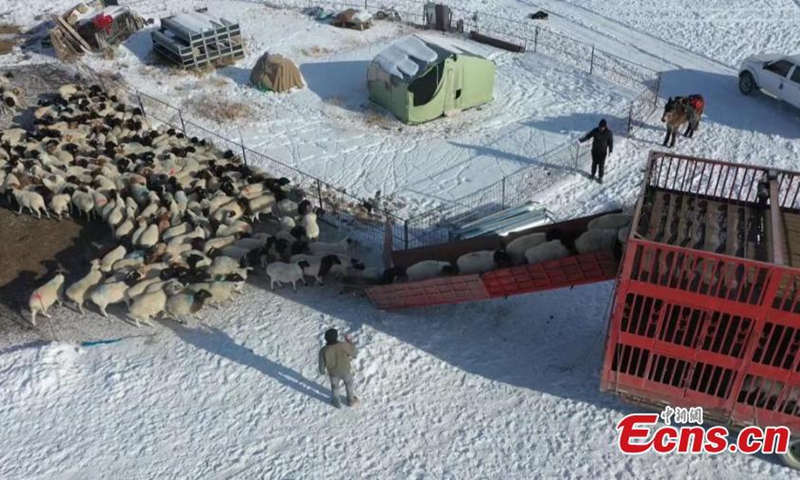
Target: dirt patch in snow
point(220, 109)
point(30, 252)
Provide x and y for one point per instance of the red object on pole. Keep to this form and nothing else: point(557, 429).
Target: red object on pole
point(103, 22)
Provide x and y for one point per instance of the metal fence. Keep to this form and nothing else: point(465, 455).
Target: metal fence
point(434, 226)
point(376, 227)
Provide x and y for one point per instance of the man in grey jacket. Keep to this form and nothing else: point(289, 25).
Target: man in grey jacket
point(334, 359)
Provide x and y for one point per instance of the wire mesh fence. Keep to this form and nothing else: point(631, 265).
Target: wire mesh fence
point(434, 226)
point(374, 226)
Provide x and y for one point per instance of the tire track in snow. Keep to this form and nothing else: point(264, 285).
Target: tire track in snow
point(624, 35)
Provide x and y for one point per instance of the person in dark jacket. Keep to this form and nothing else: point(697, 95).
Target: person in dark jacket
point(602, 145)
point(334, 359)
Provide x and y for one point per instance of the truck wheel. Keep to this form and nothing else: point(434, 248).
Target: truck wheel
point(747, 84)
point(792, 456)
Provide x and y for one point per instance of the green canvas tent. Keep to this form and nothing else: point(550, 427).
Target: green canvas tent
point(420, 79)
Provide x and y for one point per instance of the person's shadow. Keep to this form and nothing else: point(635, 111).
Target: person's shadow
point(214, 340)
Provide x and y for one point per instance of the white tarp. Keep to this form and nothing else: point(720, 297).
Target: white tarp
point(398, 59)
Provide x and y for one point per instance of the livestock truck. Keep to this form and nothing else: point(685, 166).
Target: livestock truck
point(706, 309)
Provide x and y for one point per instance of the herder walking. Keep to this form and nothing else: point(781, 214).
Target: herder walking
point(334, 359)
point(602, 145)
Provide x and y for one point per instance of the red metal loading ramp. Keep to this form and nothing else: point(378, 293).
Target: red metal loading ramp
point(718, 329)
point(569, 271)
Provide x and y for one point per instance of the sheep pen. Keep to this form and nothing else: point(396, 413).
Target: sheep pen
point(130, 184)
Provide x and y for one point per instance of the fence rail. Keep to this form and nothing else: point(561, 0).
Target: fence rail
point(434, 226)
point(376, 227)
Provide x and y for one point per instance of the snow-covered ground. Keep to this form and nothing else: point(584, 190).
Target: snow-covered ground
point(331, 130)
point(498, 389)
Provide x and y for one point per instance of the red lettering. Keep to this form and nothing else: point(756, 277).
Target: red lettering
point(629, 431)
point(749, 441)
point(716, 439)
point(695, 436)
point(664, 439)
point(776, 440)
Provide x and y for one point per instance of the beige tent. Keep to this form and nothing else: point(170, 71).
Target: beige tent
point(275, 73)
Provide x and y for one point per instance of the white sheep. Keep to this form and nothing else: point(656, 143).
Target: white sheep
point(318, 267)
point(517, 247)
point(83, 202)
point(287, 223)
point(147, 305)
point(185, 304)
point(227, 266)
point(221, 291)
point(127, 264)
point(610, 221)
point(552, 250)
point(428, 269)
point(237, 227)
point(59, 205)
point(139, 287)
point(149, 236)
point(483, 261)
point(309, 222)
point(32, 201)
point(218, 243)
point(77, 291)
point(596, 240)
point(280, 273)
point(124, 229)
point(105, 294)
point(177, 230)
point(259, 205)
point(178, 240)
point(111, 257)
point(45, 296)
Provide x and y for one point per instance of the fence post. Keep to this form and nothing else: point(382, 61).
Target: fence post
point(591, 65)
point(244, 150)
point(577, 154)
point(658, 89)
point(630, 120)
point(183, 125)
point(141, 105)
point(536, 40)
point(405, 234)
point(503, 201)
point(319, 192)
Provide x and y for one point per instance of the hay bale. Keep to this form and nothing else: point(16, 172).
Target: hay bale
point(275, 73)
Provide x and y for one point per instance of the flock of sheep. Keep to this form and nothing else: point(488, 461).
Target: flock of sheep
point(180, 210)
point(603, 233)
point(181, 213)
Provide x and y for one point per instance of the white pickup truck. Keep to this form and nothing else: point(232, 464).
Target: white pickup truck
point(778, 75)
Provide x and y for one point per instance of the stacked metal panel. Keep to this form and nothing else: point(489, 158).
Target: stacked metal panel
point(195, 39)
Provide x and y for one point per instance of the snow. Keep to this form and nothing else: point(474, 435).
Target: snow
point(496, 389)
point(403, 58)
point(331, 129)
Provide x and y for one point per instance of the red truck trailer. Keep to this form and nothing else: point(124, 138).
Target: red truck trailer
point(706, 311)
point(568, 271)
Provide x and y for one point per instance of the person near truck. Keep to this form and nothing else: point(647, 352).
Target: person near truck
point(334, 360)
point(602, 145)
